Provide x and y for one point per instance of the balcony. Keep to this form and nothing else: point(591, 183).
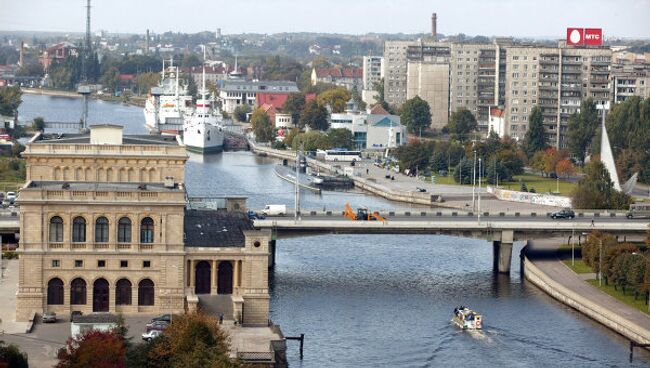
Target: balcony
point(115, 247)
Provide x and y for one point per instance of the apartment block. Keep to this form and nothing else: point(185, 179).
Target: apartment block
point(630, 78)
point(395, 71)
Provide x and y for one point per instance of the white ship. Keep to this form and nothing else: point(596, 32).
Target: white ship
point(202, 130)
point(168, 105)
point(467, 319)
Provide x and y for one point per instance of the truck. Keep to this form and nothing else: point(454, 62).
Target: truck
point(275, 210)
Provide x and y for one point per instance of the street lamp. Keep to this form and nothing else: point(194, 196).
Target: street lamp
point(479, 190)
point(573, 249)
point(600, 264)
point(474, 181)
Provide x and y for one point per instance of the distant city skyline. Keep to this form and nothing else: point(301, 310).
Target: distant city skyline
point(518, 18)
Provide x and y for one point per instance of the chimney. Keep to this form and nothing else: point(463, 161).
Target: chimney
point(146, 43)
point(22, 54)
point(434, 31)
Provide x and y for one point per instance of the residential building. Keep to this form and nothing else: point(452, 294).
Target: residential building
point(350, 78)
point(395, 71)
point(239, 92)
point(373, 72)
point(556, 79)
point(105, 227)
point(370, 130)
point(57, 53)
point(428, 78)
point(630, 78)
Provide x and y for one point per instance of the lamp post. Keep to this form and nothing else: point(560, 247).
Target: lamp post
point(479, 190)
point(600, 264)
point(474, 181)
point(573, 250)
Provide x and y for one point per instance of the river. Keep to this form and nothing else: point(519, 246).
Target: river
point(385, 300)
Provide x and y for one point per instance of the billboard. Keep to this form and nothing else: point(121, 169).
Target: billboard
point(584, 36)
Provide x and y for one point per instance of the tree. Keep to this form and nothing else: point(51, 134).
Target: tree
point(415, 114)
point(314, 116)
point(596, 191)
point(262, 126)
point(38, 124)
point(496, 171)
point(341, 138)
point(31, 70)
point(415, 155)
point(288, 140)
point(192, 89)
point(581, 129)
point(311, 141)
point(12, 357)
point(294, 105)
point(628, 126)
point(10, 99)
point(535, 139)
point(145, 81)
point(241, 111)
point(93, 349)
point(463, 172)
point(461, 123)
point(564, 168)
point(337, 98)
point(110, 78)
point(379, 87)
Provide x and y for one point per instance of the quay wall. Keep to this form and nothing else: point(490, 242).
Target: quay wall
point(604, 316)
point(359, 182)
point(532, 198)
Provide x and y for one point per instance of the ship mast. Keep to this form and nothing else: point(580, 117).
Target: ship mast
point(203, 85)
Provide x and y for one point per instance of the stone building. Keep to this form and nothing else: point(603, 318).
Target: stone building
point(105, 227)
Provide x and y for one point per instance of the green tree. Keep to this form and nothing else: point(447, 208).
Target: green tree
point(535, 139)
point(463, 171)
point(288, 140)
point(145, 81)
point(111, 79)
point(311, 141)
point(10, 99)
point(582, 128)
point(314, 116)
point(337, 98)
point(31, 70)
point(341, 138)
point(241, 111)
point(38, 124)
point(596, 191)
point(192, 89)
point(379, 87)
point(496, 171)
point(461, 123)
point(415, 155)
point(415, 114)
point(12, 357)
point(294, 105)
point(262, 126)
point(628, 126)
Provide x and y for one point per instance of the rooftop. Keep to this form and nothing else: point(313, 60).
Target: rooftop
point(215, 228)
point(101, 186)
point(260, 86)
point(76, 138)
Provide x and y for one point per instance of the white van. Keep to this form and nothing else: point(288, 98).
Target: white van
point(275, 210)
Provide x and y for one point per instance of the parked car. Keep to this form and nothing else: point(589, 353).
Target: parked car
point(11, 196)
point(252, 215)
point(157, 325)
point(563, 213)
point(6, 203)
point(165, 318)
point(150, 335)
point(275, 210)
point(49, 317)
point(73, 314)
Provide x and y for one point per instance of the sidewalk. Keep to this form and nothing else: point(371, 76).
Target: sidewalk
point(8, 289)
point(543, 254)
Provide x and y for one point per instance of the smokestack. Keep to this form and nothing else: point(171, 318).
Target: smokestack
point(146, 43)
point(434, 22)
point(22, 54)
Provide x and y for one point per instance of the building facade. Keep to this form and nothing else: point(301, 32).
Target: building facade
point(349, 78)
point(395, 71)
point(242, 92)
point(630, 78)
point(370, 130)
point(105, 228)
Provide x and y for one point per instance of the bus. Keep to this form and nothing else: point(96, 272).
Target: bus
point(639, 210)
point(339, 154)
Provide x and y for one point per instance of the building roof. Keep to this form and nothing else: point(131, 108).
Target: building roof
point(497, 113)
point(102, 186)
point(378, 109)
point(339, 72)
point(215, 228)
point(383, 120)
point(60, 45)
point(260, 86)
point(142, 139)
point(95, 318)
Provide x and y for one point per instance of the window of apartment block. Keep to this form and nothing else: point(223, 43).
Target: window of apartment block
point(515, 75)
point(78, 263)
point(124, 264)
point(146, 264)
point(514, 57)
point(515, 67)
point(101, 263)
point(56, 263)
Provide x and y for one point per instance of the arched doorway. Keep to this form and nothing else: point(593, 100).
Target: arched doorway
point(224, 276)
point(202, 276)
point(100, 295)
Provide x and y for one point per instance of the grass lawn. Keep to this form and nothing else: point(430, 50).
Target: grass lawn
point(541, 184)
point(580, 266)
point(628, 298)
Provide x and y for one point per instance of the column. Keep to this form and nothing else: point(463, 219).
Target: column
point(192, 276)
point(213, 276)
point(272, 254)
point(503, 252)
point(235, 278)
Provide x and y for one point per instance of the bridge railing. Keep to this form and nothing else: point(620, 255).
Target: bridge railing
point(586, 214)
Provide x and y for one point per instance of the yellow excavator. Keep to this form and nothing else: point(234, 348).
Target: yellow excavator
point(362, 214)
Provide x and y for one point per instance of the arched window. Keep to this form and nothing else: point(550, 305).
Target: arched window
point(56, 229)
point(145, 292)
point(124, 230)
point(123, 292)
point(146, 230)
point(101, 230)
point(55, 292)
point(79, 230)
point(78, 292)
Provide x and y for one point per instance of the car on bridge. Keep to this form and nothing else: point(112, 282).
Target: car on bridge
point(563, 213)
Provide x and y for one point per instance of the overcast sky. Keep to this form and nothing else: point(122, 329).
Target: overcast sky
point(519, 18)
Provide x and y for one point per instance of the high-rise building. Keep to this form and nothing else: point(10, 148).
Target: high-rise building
point(395, 71)
point(373, 71)
point(630, 78)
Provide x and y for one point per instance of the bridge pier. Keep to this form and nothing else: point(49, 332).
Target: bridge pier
point(502, 252)
point(272, 254)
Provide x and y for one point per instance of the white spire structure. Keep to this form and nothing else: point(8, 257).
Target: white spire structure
point(606, 155)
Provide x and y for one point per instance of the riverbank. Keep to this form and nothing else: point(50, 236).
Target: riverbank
point(132, 101)
point(543, 268)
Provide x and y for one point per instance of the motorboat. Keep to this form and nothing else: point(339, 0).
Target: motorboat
point(467, 319)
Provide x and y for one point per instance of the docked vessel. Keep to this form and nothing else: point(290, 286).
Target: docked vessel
point(202, 130)
point(467, 319)
point(167, 105)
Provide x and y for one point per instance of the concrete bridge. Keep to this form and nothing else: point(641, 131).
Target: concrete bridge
point(502, 229)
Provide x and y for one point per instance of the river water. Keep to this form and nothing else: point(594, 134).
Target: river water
point(385, 300)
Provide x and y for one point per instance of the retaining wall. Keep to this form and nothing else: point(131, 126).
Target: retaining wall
point(593, 310)
point(532, 198)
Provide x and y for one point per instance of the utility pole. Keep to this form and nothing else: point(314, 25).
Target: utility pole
point(474, 182)
point(2, 270)
point(297, 187)
point(573, 247)
point(600, 264)
point(479, 190)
